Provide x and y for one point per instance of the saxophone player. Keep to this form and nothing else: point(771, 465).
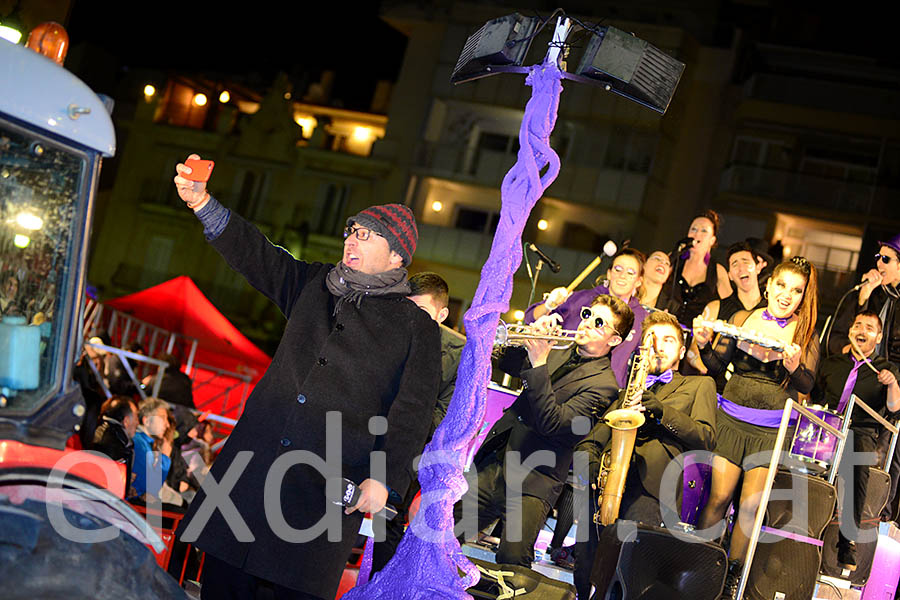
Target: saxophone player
point(562, 392)
point(680, 415)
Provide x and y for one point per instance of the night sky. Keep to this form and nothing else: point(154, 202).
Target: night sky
point(257, 40)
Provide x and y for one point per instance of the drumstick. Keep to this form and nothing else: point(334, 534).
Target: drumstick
point(587, 271)
point(865, 359)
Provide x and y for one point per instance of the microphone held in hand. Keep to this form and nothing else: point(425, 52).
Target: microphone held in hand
point(350, 493)
point(859, 285)
point(554, 266)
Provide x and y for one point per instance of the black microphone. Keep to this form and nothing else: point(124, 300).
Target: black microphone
point(683, 243)
point(554, 266)
point(350, 494)
point(860, 284)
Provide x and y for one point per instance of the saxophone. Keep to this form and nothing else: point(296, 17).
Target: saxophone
point(624, 422)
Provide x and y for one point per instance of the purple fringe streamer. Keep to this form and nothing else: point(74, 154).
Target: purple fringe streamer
point(428, 561)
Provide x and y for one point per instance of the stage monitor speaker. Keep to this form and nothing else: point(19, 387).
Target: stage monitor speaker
point(787, 567)
point(652, 564)
point(630, 67)
point(501, 42)
point(821, 499)
point(533, 585)
point(877, 491)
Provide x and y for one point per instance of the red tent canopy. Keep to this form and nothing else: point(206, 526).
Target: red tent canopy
point(179, 306)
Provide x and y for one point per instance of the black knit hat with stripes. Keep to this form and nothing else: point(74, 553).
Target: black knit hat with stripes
point(395, 223)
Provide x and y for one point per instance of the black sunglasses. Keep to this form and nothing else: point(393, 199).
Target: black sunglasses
point(884, 258)
point(586, 313)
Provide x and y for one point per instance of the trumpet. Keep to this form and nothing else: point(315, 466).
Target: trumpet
point(516, 333)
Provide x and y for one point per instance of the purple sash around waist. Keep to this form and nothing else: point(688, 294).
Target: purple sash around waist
point(755, 416)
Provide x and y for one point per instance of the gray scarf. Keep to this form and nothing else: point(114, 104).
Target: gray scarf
point(353, 286)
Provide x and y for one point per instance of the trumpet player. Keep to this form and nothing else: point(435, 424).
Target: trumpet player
point(562, 392)
point(680, 415)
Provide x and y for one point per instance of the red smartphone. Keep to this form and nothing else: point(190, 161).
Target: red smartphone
point(201, 170)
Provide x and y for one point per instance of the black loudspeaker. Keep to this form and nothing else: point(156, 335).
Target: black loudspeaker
point(877, 491)
point(652, 564)
point(500, 42)
point(631, 67)
point(534, 585)
point(787, 567)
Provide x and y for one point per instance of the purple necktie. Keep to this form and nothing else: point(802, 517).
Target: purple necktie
point(665, 377)
point(851, 381)
point(767, 316)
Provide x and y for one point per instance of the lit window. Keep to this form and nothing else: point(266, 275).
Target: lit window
point(224, 97)
point(436, 206)
point(362, 134)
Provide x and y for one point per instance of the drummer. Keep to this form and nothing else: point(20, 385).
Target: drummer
point(841, 375)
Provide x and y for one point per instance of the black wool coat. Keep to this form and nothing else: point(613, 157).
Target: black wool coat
point(379, 359)
point(541, 419)
point(688, 423)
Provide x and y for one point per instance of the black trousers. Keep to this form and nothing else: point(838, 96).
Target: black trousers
point(637, 505)
point(864, 440)
point(222, 581)
point(490, 496)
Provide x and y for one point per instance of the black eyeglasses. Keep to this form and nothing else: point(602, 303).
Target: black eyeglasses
point(361, 233)
point(587, 312)
point(884, 258)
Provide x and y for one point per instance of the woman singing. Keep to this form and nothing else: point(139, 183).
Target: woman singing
point(697, 280)
point(656, 273)
point(754, 397)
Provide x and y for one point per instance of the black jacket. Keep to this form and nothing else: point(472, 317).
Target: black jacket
point(381, 358)
point(541, 419)
point(111, 439)
point(890, 344)
point(688, 423)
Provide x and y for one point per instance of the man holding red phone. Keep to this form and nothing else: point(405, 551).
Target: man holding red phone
point(354, 346)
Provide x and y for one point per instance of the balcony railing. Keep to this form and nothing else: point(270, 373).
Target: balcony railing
point(815, 192)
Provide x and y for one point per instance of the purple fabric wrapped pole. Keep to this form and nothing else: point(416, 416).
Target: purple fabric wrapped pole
point(429, 558)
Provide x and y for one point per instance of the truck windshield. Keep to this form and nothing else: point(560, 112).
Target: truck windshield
point(41, 230)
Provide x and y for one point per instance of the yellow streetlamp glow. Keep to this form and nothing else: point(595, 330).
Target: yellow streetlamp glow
point(308, 124)
point(200, 99)
point(224, 97)
point(21, 241)
point(543, 224)
point(436, 206)
point(518, 315)
point(149, 91)
point(29, 221)
point(362, 134)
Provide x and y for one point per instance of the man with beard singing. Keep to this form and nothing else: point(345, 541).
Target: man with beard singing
point(680, 415)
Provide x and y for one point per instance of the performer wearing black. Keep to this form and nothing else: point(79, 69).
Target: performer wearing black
point(743, 271)
point(681, 416)
point(431, 293)
point(878, 293)
point(841, 375)
point(763, 379)
point(559, 389)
